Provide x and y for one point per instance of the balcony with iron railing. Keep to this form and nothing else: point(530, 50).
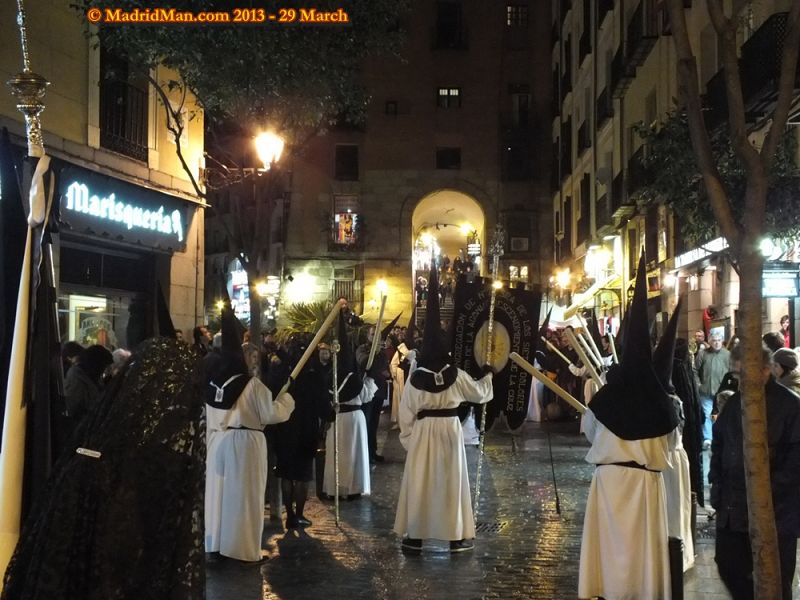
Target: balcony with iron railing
point(555, 178)
point(566, 82)
point(602, 213)
point(555, 96)
point(638, 175)
point(642, 32)
point(621, 207)
point(759, 70)
point(123, 118)
point(603, 109)
point(584, 46)
point(622, 75)
point(566, 5)
point(584, 138)
point(603, 8)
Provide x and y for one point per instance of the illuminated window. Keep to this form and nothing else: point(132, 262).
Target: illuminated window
point(345, 220)
point(448, 97)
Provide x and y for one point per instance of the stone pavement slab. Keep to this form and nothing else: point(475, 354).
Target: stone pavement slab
point(524, 549)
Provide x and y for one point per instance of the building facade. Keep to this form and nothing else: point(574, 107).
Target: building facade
point(453, 144)
point(130, 221)
point(614, 67)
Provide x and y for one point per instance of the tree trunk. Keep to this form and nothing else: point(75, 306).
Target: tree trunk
point(253, 277)
point(763, 533)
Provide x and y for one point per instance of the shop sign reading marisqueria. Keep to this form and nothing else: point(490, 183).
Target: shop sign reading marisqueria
point(95, 204)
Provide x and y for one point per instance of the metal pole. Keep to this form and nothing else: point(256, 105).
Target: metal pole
point(335, 347)
point(496, 252)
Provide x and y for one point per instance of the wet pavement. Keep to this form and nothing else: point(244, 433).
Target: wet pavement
point(524, 548)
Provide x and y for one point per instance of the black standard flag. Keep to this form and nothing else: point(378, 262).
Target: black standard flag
point(516, 319)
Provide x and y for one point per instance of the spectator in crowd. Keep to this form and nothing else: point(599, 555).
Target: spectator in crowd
point(712, 365)
point(252, 355)
point(119, 357)
point(774, 341)
point(729, 492)
point(784, 367)
point(69, 355)
point(82, 386)
point(202, 339)
point(787, 342)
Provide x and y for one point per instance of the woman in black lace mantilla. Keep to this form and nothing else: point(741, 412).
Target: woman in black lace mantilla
point(122, 515)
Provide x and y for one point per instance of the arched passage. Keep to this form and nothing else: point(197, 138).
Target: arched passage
point(444, 223)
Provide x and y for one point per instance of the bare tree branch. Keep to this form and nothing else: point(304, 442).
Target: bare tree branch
point(690, 89)
point(791, 45)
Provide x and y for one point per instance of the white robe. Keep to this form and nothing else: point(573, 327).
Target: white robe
point(399, 378)
point(624, 552)
point(434, 498)
point(353, 448)
point(236, 470)
point(679, 497)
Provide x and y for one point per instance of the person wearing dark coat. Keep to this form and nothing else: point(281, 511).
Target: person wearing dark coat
point(296, 440)
point(729, 491)
point(82, 386)
point(686, 389)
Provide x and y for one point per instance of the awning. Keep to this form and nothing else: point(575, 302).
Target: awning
point(615, 281)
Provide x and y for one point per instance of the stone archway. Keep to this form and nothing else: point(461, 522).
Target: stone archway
point(447, 220)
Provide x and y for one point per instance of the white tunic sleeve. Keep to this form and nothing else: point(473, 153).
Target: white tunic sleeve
point(270, 411)
point(475, 392)
point(407, 414)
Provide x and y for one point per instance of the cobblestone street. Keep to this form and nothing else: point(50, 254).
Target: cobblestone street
point(524, 549)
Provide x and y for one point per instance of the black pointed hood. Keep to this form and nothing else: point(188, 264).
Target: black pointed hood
point(165, 326)
point(227, 370)
point(388, 329)
point(634, 404)
point(540, 344)
point(637, 350)
point(349, 381)
point(435, 372)
point(664, 354)
point(411, 331)
point(594, 330)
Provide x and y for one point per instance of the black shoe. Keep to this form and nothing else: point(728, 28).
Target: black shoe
point(378, 458)
point(303, 522)
point(292, 523)
point(411, 545)
point(354, 496)
point(461, 546)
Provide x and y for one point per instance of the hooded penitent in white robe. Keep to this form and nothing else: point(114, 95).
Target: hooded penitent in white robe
point(679, 497)
point(353, 448)
point(236, 470)
point(434, 498)
point(624, 551)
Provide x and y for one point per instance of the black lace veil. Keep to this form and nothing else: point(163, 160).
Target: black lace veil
point(128, 524)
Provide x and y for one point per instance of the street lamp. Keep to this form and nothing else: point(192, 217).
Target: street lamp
point(563, 278)
point(262, 288)
point(269, 146)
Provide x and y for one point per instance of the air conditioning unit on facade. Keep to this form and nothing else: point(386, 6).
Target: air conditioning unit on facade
point(519, 244)
point(344, 274)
